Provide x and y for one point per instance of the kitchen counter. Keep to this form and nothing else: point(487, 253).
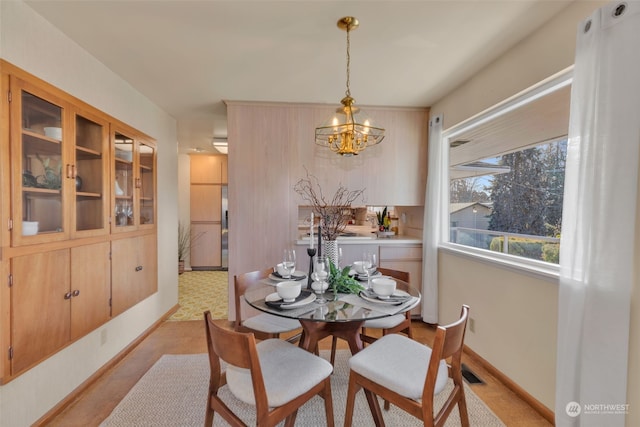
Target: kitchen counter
point(363, 239)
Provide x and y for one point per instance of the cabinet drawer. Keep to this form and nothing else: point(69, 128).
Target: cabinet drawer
point(400, 253)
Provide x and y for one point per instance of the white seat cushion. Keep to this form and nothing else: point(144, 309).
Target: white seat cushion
point(399, 364)
point(271, 324)
point(288, 372)
point(385, 322)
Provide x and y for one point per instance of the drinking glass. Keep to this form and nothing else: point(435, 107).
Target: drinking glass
point(289, 262)
point(319, 276)
point(370, 264)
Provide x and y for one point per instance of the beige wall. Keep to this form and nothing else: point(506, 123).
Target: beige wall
point(491, 290)
point(31, 43)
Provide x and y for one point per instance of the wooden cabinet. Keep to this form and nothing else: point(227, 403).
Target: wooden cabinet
point(206, 203)
point(404, 258)
point(134, 160)
point(208, 169)
point(208, 176)
point(65, 297)
point(60, 160)
point(133, 271)
point(206, 250)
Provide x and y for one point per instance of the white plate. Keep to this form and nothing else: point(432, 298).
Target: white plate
point(274, 297)
point(299, 275)
point(381, 301)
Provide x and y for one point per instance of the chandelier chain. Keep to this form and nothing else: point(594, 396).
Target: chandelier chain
point(348, 91)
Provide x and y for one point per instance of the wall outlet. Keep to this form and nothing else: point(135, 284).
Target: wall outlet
point(472, 325)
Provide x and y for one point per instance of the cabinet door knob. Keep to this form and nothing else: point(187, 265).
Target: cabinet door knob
point(139, 268)
point(69, 171)
point(76, 292)
point(67, 295)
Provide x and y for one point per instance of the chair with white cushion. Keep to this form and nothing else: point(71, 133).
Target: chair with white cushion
point(263, 325)
point(273, 375)
point(409, 374)
point(390, 324)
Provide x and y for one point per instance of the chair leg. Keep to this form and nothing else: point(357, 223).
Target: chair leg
point(208, 420)
point(334, 344)
point(351, 398)
point(328, 403)
point(290, 421)
point(462, 407)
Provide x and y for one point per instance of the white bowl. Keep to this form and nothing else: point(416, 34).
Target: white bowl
point(383, 287)
point(358, 267)
point(29, 228)
point(53, 132)
point(288, 291)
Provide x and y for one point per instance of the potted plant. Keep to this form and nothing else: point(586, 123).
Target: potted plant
point(185, 240)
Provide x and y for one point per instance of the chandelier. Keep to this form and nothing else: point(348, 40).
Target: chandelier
point(348, 131)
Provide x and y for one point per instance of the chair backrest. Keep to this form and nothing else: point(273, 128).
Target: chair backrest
point(237, 349)
point(243, 282)
point(448, 343)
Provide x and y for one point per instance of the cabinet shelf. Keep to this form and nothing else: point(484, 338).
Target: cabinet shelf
point(35, 143)
point(88, 195)
point(36, 191)
point(83, 153)
point(126, 163)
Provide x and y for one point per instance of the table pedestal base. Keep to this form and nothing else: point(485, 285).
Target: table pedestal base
point(348, 331)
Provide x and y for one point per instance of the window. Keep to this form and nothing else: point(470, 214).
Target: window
point(506, 176)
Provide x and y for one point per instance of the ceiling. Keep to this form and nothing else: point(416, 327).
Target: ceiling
point(190, 56)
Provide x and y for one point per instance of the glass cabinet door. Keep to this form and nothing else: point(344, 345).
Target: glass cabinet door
point(88, 173)
point(124, 214)
point(38, 166)
point(146, 184)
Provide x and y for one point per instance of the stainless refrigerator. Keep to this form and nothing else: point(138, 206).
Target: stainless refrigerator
point(225, 229)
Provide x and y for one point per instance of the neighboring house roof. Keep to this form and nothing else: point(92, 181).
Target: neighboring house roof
point(456, 207)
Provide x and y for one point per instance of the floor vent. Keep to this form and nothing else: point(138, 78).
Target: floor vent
point(469, 376)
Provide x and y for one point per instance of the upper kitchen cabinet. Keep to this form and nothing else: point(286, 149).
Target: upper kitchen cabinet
point(134, 180)
point(207, 169)
point(59, 166)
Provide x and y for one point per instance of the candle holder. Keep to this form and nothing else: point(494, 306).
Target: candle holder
point(311, 252)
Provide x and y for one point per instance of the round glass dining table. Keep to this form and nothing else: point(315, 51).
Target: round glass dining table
point(342, 316)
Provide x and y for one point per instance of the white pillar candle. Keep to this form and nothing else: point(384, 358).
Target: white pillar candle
point(311, 233)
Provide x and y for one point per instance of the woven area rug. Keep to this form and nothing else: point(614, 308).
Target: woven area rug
point(199, 291)
point(174, 393)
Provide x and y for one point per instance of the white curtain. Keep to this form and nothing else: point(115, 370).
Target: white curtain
point(597, 244)
point(434, 217)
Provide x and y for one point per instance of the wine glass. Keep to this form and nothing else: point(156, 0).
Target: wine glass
point(289, 262)
point(319, 276)
point(370, 264)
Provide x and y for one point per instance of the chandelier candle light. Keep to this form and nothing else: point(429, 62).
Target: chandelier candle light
point(349, 130)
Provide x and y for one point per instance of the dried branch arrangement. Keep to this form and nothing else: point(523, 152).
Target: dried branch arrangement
point(331, 211)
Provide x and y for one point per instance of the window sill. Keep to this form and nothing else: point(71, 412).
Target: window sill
point(538, 269)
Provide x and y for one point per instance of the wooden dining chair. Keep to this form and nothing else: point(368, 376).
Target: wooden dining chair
point(409, 374)
point(263, 325)
point(273, 375)
point(389, 325)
